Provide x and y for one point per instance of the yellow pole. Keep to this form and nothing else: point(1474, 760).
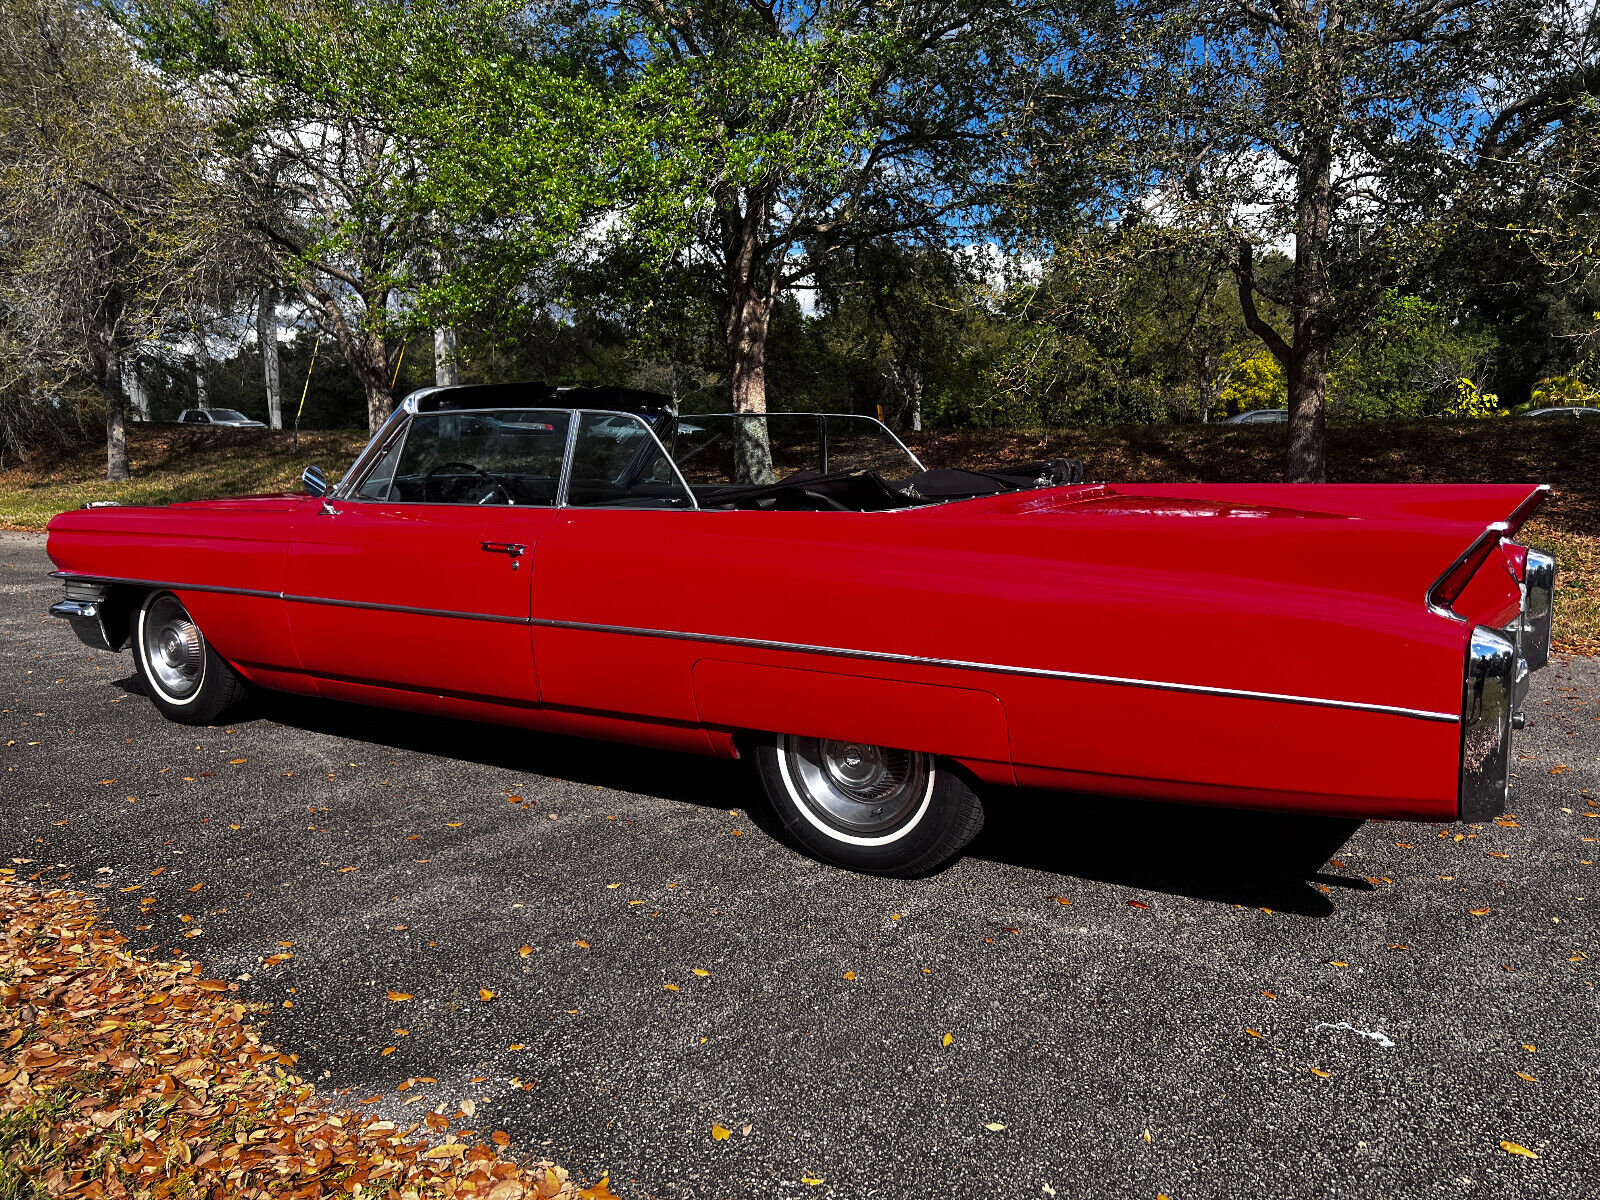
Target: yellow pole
point(315, 346)
point(397, 363)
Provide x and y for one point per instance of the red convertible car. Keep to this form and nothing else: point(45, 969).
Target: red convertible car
point(881, 639)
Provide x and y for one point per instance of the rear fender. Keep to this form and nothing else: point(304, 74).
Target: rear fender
point(962, 723)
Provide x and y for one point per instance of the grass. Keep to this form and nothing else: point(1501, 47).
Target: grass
point(171, 463)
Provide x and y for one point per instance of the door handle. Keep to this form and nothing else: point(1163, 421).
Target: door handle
point(513, 550)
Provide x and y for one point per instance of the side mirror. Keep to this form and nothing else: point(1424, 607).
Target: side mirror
point(314, 481)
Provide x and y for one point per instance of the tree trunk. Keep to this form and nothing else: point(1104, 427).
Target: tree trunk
point(202, 368)
point(747, 373)
point(267, 337)
point(444, 357)
point(1309, 315)
point(747, 308)
point(116, 414)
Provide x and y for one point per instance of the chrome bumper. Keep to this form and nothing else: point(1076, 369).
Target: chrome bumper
point(1538, 607)
point(1500, 666)
point(1488, 702)
point(84, 610)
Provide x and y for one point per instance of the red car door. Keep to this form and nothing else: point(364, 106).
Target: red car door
point(420, 578)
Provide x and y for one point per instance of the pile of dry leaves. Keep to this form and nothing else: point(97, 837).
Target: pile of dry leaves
point(123, 1076)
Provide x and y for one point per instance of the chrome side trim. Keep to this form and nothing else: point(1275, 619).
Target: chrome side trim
point(1462, 568)
point(174, 587)
point(292, 599)
point(1421, 714)
point(1539, 581)
point(1000, 669)
point(1487, 701)
point(408, 609)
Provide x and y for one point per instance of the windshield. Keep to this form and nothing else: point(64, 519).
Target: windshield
point(741, 449)
point(227, 414)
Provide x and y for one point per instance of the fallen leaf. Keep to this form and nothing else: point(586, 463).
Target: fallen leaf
point(527, 950)
point(1059, 899)
point(671, 987)
point(517, 1046)
point(398, 996)
point(197, 887)
point(386, 1051)
point(448, 1150)
point(1137, 904)
point(158, 870)
point(1525, 1075)
point(1530, 1049)
point(1255, 1033)
point(1513, 1148)
point(234, 762)
point(849, 974)
point(702, 972)
point(994, 1126)
point(948, 1038)
point(811, 1180)
point(1319, 1073)
point(578, 942)
point(721, 1133)
point(500, 1138)
point(485, 995)
point(1336, 963)
point(1479, 912)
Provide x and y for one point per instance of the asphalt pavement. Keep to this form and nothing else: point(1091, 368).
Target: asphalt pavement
point(1102, 999)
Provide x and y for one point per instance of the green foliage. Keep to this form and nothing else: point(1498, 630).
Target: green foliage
point(1410, 360)
point(1563, 390)
point(1255, 381)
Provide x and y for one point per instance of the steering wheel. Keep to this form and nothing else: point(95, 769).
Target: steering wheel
point(494, 484)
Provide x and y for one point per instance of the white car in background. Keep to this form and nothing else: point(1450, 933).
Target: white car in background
point(1259, 416)
point(230, 417)
point(1564, 410)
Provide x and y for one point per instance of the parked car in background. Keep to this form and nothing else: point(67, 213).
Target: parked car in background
point(881, 639)
point(1563, 410)
point(1259, 416)
point(218, 416)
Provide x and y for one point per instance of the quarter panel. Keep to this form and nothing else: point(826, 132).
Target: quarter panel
point(959, 722)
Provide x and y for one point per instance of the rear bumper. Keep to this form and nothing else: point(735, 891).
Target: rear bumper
point(1487, 707)
point(1500, 666)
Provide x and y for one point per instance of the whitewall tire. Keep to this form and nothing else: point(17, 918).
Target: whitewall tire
point(186, 679)
point(866, 807)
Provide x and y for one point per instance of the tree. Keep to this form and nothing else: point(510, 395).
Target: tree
point(777, 137)
point(1356, 131)
point(373, 136)
point(108, 218)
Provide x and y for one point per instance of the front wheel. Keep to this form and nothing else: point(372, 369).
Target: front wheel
point(188, 681)
point(869, 808)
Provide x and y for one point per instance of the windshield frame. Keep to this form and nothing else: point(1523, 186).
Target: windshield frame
point(394, 432)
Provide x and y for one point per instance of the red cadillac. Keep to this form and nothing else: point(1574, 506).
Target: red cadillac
point(883, 640)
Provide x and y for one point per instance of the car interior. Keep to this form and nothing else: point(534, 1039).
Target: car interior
point(785, 462)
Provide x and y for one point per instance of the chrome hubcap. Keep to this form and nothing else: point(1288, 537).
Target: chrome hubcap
point(855, 786)
point(173, 648)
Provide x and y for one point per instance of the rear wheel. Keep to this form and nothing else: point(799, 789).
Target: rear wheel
point(866, 807)
point(187, 680)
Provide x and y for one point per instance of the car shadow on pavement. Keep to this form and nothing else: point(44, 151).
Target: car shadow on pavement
point(1229, 856)
point(1255, 859)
